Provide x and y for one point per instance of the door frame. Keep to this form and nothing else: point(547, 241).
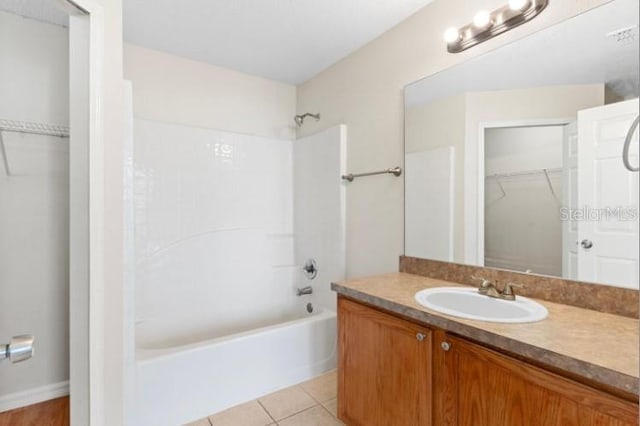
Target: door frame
point(86, 284)
point(474, 195)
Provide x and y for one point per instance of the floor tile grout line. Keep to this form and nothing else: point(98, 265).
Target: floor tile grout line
point(267, 411)
point(319, 401)
point(329, 412)
point(316, 399)
point(298, 412)
point(307, 409)
point(325, 407)
point(308, 394)
point(299, 386)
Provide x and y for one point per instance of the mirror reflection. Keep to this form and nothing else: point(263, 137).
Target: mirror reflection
point(514, 159)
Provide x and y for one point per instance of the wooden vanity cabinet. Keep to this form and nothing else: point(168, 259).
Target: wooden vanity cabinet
point(394, 372)
point(483, 387)
point(384, 374)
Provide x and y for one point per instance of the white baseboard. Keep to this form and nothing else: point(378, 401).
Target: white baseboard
point(33, 396)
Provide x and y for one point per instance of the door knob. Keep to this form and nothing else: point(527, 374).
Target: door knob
point(420, 337)
point(586, 244)
point(445, 346)
point(19, 349)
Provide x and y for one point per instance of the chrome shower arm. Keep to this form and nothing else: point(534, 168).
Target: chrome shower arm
point(299, 119)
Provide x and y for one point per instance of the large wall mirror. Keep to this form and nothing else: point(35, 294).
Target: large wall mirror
point(514, 159)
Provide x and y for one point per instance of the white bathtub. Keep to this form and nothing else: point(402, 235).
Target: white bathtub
point(180, 384)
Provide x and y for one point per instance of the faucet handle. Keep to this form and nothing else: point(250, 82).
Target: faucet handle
point(483, 281)
point(484, 285)
point(310, 269)
point(508, 293)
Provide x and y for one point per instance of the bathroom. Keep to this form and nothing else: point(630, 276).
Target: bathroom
point(236, 208)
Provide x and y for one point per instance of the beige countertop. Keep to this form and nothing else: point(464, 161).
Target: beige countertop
point(597, 346)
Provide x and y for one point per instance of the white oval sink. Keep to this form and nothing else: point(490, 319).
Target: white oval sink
point(468, 303)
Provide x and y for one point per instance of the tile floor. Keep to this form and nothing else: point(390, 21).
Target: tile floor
point(311, 403)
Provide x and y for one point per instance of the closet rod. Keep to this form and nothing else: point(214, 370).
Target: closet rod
point(525, 173)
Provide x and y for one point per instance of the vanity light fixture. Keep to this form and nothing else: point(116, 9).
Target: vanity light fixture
point(451, 35)
point(482, 20)
point(518, 4)
point(487, 24)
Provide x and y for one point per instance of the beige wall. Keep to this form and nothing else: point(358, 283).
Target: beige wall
point(364, 91)
point(178, 90)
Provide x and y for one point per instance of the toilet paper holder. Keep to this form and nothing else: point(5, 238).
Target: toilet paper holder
point(20, 348)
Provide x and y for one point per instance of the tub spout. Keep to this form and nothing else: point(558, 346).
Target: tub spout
point(304, 290)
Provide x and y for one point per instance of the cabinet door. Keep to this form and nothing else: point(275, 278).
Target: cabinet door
point(384, 368)
point(486, 388)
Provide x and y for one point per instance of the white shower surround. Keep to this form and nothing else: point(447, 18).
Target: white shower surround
point(219, 254)
point(214, 232)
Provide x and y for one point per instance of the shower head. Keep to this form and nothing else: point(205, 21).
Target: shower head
point(299, 119)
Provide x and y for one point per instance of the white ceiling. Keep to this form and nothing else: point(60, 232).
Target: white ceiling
point(284, 40)
point(42, 10)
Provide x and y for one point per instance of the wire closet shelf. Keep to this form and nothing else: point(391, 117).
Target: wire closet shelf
point(30, 127)
point(544, 172)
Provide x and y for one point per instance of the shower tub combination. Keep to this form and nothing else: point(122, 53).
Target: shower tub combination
point(177, 385)
point(218, 260)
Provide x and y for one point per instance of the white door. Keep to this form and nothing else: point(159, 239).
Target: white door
point(570, 200)
point(608, 196)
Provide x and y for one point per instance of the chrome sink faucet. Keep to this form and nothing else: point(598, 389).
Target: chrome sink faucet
point(489, 289)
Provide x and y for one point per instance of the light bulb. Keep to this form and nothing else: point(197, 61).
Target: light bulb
point(518, 4)
point(451, 35)
point(482, 19)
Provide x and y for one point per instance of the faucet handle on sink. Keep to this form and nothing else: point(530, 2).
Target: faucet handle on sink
point(481, 279)
point(508, 293)
point(484, 285)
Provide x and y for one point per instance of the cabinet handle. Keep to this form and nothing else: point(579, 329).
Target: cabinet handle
point(445, 346)
point(420, 337)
